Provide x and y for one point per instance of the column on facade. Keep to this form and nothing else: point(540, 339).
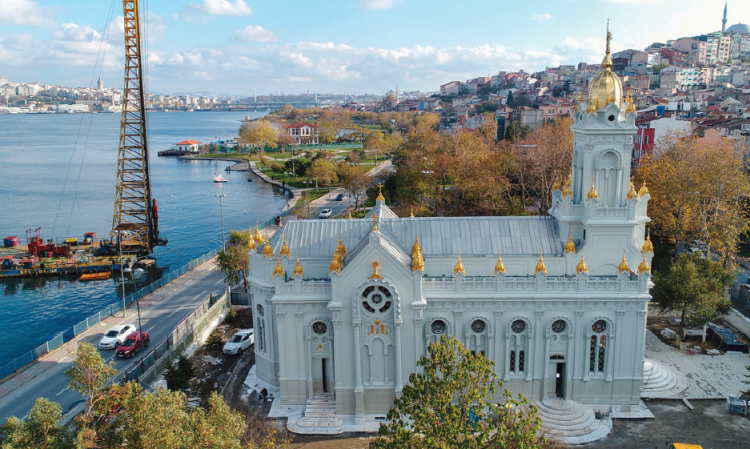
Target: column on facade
point(640, 325)
point(399, 354)
point(418, 336)
point(609, 352)
point(538, 341)
point(337, 358)
point(497, 354)
point(359, 404)
point(616, 364)
point(581, 342)
point(280, 316)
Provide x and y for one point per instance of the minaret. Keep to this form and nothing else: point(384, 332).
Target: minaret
point(724, 20)
point(100, 84)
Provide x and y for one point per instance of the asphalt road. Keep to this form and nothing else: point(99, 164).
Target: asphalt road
point(158, 317)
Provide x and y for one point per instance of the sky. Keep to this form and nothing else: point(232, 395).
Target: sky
point(241, 47)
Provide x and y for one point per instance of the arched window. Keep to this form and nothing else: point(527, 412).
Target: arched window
point(598, 347)
point(477, 337)
point(517, 344)
point(260, 331)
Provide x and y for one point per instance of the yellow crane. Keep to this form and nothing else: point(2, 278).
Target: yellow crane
point(136, 216)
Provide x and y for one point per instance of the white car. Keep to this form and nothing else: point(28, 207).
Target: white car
point(115, 336)
point(325, 213)
point(241, 340)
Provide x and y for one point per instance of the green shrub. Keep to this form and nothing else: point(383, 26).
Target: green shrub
point(214, 340)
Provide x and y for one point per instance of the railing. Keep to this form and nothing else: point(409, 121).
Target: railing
point(189, 329)
point(81, 327)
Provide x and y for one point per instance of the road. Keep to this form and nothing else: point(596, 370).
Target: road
point(161, 311)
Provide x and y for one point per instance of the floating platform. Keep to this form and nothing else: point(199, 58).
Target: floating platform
point(95, 276)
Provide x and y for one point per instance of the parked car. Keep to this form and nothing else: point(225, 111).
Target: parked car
point(115, 336)
point(325, 213)
point(240, 341)
point(340, 197)
point(134, 343)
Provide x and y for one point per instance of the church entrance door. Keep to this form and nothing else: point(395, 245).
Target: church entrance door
point(560, 381)
point(325, 376)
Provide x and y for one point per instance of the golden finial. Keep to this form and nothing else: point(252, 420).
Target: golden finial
point(581, 267)
point(632, 193)
point(341, 248)
point(267, 250)
point(570, 247)
point(556, 184)
point(459, 266)
point(411, 211)
point(607, 61)
point(590, 108)
point(375, 221)
point(380, 193)
point(416, 247)
point(566, 190)
point(335, 263)
point(298, 269)
point(644, 189)
point(285, 250)
point(258, 237)
point(417, 260)
point(278, 269)
point(251, 244)
point(647, 245)
point(499, 266)
point(280, 221)
point(623, 267)
point(349, 216)
point(643, 266)
point(375, 274)
point(592, 193)
point(540, 265)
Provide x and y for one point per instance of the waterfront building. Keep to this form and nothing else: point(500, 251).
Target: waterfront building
point(344, 308)
point(303, 133)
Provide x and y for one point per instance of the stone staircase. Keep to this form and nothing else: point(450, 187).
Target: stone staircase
point(660, 381)
point(571, 423)
point(319, 417)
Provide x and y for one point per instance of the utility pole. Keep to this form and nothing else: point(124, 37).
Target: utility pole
point(221, 207)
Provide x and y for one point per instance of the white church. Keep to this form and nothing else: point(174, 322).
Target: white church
point(344, 308)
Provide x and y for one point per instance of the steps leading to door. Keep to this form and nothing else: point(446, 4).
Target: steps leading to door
point(319, 417)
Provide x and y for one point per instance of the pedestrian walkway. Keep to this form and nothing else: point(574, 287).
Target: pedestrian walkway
point(709, 376)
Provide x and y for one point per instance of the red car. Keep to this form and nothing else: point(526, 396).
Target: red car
point(134, 343)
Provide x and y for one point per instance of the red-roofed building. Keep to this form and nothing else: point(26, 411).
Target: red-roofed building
point(190, 146)
point(303, 133)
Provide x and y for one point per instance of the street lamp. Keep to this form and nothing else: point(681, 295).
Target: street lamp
point(137, 307)
point(221, 207)
point(122, 272)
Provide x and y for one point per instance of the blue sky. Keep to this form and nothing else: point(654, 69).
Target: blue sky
point(235, 46)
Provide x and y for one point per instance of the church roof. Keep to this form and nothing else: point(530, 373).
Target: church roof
point(439, 236)
point(382, 210)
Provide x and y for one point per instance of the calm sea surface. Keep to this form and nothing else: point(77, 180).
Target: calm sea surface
point(58, 172)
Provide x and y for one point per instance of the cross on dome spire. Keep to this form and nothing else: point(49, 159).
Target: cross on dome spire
point(607, 62)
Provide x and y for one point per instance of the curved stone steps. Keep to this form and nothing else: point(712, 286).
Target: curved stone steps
point(570, 422)
point(661, 381)
point(319, 418)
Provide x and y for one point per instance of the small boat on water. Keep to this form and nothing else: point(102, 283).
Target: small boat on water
point(95, 276)
point(219, 178)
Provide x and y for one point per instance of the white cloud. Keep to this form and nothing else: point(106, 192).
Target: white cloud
point(255, 34)
point(224, 7)
point(377, 4)
point(23, 12)
point(543, 17)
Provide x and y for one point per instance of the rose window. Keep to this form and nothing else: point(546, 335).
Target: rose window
point(438, 327)
point(559, 326)
point(599, 326)
point(478, 326)
point(320, 328)
point(518, 326)
point(260, 310)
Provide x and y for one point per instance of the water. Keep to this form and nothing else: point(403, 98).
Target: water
point(58, 172)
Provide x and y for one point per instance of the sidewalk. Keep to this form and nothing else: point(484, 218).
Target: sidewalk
point(50, 363)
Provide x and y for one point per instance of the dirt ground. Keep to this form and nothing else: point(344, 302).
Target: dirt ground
point(657, 324)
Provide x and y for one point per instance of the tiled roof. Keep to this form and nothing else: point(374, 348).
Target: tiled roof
point(189, 142)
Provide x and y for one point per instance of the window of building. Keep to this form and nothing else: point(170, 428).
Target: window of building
point(598, 347)
point(518, 346)
point(478, 337)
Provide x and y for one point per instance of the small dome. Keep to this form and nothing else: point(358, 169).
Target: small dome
point(606, 87)
point(739, 28)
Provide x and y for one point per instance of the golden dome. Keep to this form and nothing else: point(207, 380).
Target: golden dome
point(499, 266)
point(647, 245)
point(540, 265)
point(556, 184)
point(567, 191)
point(285, 250)
point(644, 190)
point(643, 266)
point(592, 193)
point(341, 248)
point(632, 193)
point(251, 244)
point(258, 237)
point(278, 269)
point(417, 262)
point(623, 267)
point(570, 247)
point(606, 87)
point(267, 250)
point(298, 270)
point(380, 193)
point(459, 267)
point(581, 267)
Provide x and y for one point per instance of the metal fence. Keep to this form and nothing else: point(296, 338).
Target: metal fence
point(81, 327)
point(189, 329)
point(241, 299)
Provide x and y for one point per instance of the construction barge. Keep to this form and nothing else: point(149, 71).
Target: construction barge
point(69, 257)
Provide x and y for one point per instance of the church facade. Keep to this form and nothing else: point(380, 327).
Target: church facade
point(345, 307)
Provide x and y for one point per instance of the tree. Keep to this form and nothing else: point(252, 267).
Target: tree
point(42, 429)
point(695, 287)
point(260, 133)
point(285, 140)
point(451, 403)
point(285, 110)
point(516, 131)
point(178, 376)
point(234, 261)
point(323, 172)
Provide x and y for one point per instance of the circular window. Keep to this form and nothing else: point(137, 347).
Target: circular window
point(559, 326)
point(611, 118)
point(599, 326)
point(320, 328)
point(376, 298)
point(518, 326)
point(438, 327)
point(260, 310)
point(478, 326)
